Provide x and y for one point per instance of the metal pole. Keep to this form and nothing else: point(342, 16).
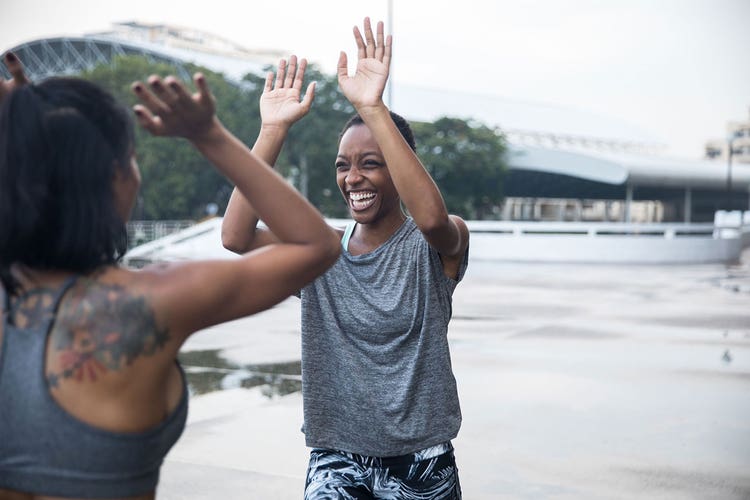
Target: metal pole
point(729, 174)
point(688, 204)
point(628, 201)
point(390, 76)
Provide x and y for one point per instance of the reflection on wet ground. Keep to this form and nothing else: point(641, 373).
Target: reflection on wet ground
point(576, 382)
point(207, 371)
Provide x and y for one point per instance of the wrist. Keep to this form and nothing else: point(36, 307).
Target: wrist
point(372, 110)
point(212, 134)
point(274, 130)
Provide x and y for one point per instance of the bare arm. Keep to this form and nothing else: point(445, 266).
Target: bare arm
point(447, 234)
point(199, 294)
point(280, 108)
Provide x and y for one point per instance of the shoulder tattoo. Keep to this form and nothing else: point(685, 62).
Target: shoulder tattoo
point(101, 328)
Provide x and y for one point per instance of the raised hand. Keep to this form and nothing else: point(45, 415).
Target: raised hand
point(168, 109)
point(18, 77)
point(280, 103)
point(365, 88)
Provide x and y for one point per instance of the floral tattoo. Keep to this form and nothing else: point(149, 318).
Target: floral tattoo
point(100, 328)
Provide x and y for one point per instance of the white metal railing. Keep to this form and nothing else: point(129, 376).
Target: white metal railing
point(521, 228)
point(143, 231)
point(727, 225)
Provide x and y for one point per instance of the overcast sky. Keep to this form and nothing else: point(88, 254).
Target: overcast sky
point(678, 69)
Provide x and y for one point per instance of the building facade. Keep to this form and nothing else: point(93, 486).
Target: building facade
point(738, 136)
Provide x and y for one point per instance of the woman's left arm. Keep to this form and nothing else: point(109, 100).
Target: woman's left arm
point(446, 233)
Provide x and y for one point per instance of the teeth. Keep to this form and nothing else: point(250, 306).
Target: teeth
point(359, 196)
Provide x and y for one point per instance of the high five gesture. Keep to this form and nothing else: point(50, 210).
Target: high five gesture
point(365, 88)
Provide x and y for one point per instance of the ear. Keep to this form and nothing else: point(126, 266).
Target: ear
point(125, 184)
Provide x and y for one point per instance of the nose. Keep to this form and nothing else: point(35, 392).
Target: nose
point(353, 175)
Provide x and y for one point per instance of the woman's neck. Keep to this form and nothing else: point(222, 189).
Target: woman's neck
point(367, 237)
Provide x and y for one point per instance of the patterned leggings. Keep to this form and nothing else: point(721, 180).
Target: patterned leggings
point(429, 474)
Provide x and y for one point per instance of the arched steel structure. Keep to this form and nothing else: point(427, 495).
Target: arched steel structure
point(70, 55)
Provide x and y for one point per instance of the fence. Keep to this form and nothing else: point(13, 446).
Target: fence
point(143, 231)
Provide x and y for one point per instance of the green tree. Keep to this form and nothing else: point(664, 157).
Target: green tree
point(178, 182)
point(467, 161)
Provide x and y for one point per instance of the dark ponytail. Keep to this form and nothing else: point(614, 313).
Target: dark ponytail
point(60, 142)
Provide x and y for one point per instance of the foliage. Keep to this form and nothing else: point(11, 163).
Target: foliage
point(178, 182)
point(464, 158)
point(467, 161)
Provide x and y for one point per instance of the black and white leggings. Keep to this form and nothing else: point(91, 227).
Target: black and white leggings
point(429, 474)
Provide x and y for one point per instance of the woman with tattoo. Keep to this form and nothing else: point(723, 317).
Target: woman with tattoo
point(91, 395)
point(380, 399)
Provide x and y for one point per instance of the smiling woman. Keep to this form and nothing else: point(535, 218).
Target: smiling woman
point(377, 378)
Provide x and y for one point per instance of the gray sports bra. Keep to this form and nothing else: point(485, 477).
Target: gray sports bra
point(44, 450)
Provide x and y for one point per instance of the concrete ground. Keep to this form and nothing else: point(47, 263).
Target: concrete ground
point(576, 382)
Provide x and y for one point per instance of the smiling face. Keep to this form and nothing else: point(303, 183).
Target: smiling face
point(363, 178)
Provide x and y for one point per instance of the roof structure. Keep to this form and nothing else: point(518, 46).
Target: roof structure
point(47, 57)
point(525, 122)
point(543, 138)
point(622, 168)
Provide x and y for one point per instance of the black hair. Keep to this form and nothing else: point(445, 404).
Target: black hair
point(60, 143)
point(402, 125)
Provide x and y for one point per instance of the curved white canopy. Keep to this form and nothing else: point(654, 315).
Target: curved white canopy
point(627, 168)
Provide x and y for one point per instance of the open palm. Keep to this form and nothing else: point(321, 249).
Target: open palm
point(367, 85)
point(280, 103)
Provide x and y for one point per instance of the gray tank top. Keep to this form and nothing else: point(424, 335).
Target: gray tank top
point(44, 450)
point(376, 369)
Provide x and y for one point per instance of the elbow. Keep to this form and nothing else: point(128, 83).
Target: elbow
point(434, 224)
point(327, 250)
point(332, 248)
point(233, 242)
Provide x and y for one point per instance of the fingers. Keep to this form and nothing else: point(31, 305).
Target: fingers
point(147, 120)
point(387, 51)
point(205, 98)
point(372, 45)
point(161, 90)
point(290, 71)
point(178, 90)
point(280, 72)
point(289, 75)
point(361, 49)
point(342, 69)
point(269, 82)
point(13, 63)
point(300, 75)
point(309, 96)
point(148, 99)
point(379, 45)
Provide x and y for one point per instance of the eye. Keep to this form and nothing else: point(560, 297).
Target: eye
point(371, 164)
point(342, 166)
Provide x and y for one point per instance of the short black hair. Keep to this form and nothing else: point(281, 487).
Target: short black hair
point(60, 143)
point(402, 125)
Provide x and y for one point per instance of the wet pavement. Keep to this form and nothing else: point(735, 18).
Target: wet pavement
point(576, 382)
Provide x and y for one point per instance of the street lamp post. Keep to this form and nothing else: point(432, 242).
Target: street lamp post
point(730, 152)
point(390, 79)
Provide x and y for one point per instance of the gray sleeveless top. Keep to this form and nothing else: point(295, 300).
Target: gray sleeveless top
point(46, 451)
point(376, 369)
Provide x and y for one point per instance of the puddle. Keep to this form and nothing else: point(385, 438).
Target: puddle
point(207, 371)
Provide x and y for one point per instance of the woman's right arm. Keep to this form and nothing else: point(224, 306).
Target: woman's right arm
point(192, 296)
point(280, 108)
